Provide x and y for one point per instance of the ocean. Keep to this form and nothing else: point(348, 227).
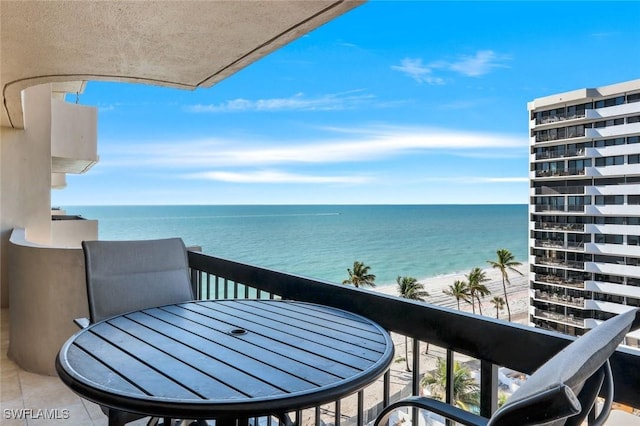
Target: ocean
point(322, 241)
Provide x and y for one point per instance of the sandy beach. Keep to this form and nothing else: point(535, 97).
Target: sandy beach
point(518, 292)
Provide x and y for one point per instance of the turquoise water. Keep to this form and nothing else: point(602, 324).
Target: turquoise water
point(322, 241)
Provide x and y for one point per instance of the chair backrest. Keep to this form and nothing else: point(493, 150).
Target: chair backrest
point(124, 276)
point(552, 393)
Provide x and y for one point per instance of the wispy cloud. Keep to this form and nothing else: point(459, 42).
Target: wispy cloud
point(414, 68)
point(481, 63)
point(297, 102)
point(275, 176)
point(350, 145)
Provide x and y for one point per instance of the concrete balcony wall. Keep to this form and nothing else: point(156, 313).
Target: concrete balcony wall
point(25, 195)
point(609, 151)
point(633, 189)
point(613, 308)
point(612, 210)
point(613, 111)
point(611, 269)
point(612, 229)
point(58, 180)
point(615, 289)
point(621, 170)
point(47, 292)
point(612, 249)
point(74, 140)
point(70, 233)
point(613, 131)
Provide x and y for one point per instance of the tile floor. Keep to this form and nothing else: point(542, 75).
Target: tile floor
point(28, 399)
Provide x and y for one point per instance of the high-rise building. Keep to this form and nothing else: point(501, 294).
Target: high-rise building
point(584, 210)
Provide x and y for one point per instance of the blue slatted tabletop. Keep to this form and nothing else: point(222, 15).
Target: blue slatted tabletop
point(225, 359)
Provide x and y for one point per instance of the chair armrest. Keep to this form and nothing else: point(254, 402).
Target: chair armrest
point(82, 322)
point(449, 411)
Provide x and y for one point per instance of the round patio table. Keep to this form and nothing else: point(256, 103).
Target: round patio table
point(225, 359)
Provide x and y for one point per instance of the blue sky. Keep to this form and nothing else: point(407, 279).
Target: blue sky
point(391, 103)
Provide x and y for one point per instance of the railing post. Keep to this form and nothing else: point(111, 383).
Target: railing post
point(488, 388)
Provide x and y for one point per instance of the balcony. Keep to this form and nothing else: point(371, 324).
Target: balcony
point(479, 341)
point(561, 318)
point(554, 261)
point(554, 226)
point(560, 299)
point(558, 280)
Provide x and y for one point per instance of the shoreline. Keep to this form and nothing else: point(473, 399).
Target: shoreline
point(517, 292)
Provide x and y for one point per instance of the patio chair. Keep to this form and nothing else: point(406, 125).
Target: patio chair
point(125, 276)
point(561, 392)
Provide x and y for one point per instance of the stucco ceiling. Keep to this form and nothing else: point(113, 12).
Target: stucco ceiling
point(185, 44)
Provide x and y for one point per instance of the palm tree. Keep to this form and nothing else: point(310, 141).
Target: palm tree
point(506, 262)
point(477, 290)
point(459, 290)
point(360, 276)
point(465, 389)
point(410, 288)
point(498, 302)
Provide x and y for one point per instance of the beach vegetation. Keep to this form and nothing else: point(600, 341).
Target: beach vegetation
point(466, 391)
point(477, 290)
point(360, 275)
point(498, 302)
point(505, 262)
point(410, 288)
point(460, 290)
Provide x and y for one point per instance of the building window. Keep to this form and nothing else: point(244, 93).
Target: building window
point(633, 240)
point(633, 200)
point(610, 161)
point(609, 142)
point(609, 123)
point(618, 100)
point(633, 98)
point(634, 119)
point(607, 200)
point(608, 239)
point(633, 159)
point(633, 139)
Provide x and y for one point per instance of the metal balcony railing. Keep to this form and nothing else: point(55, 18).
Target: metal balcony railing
point(567, 319)
point(560, 226)
point(557, 280)
point(560, 299)
point(492, 342)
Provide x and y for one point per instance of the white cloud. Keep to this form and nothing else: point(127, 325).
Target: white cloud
point(349, 146)
point(416, 70)
point(471, 66)
point(297, 102)
point(274, 176)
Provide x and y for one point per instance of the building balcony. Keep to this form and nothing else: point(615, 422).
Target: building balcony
point(612, 131)
point(558, 299)
point(74, 137)
point(613, 111)
point(559, 173)
point(441, 332)
point(559, 281)
point(559, 190)
point(560, 154)
point(553, 226)
point(557, 262)
point(560, 318)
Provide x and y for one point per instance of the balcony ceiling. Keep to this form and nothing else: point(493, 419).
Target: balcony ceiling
point(184, 44)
